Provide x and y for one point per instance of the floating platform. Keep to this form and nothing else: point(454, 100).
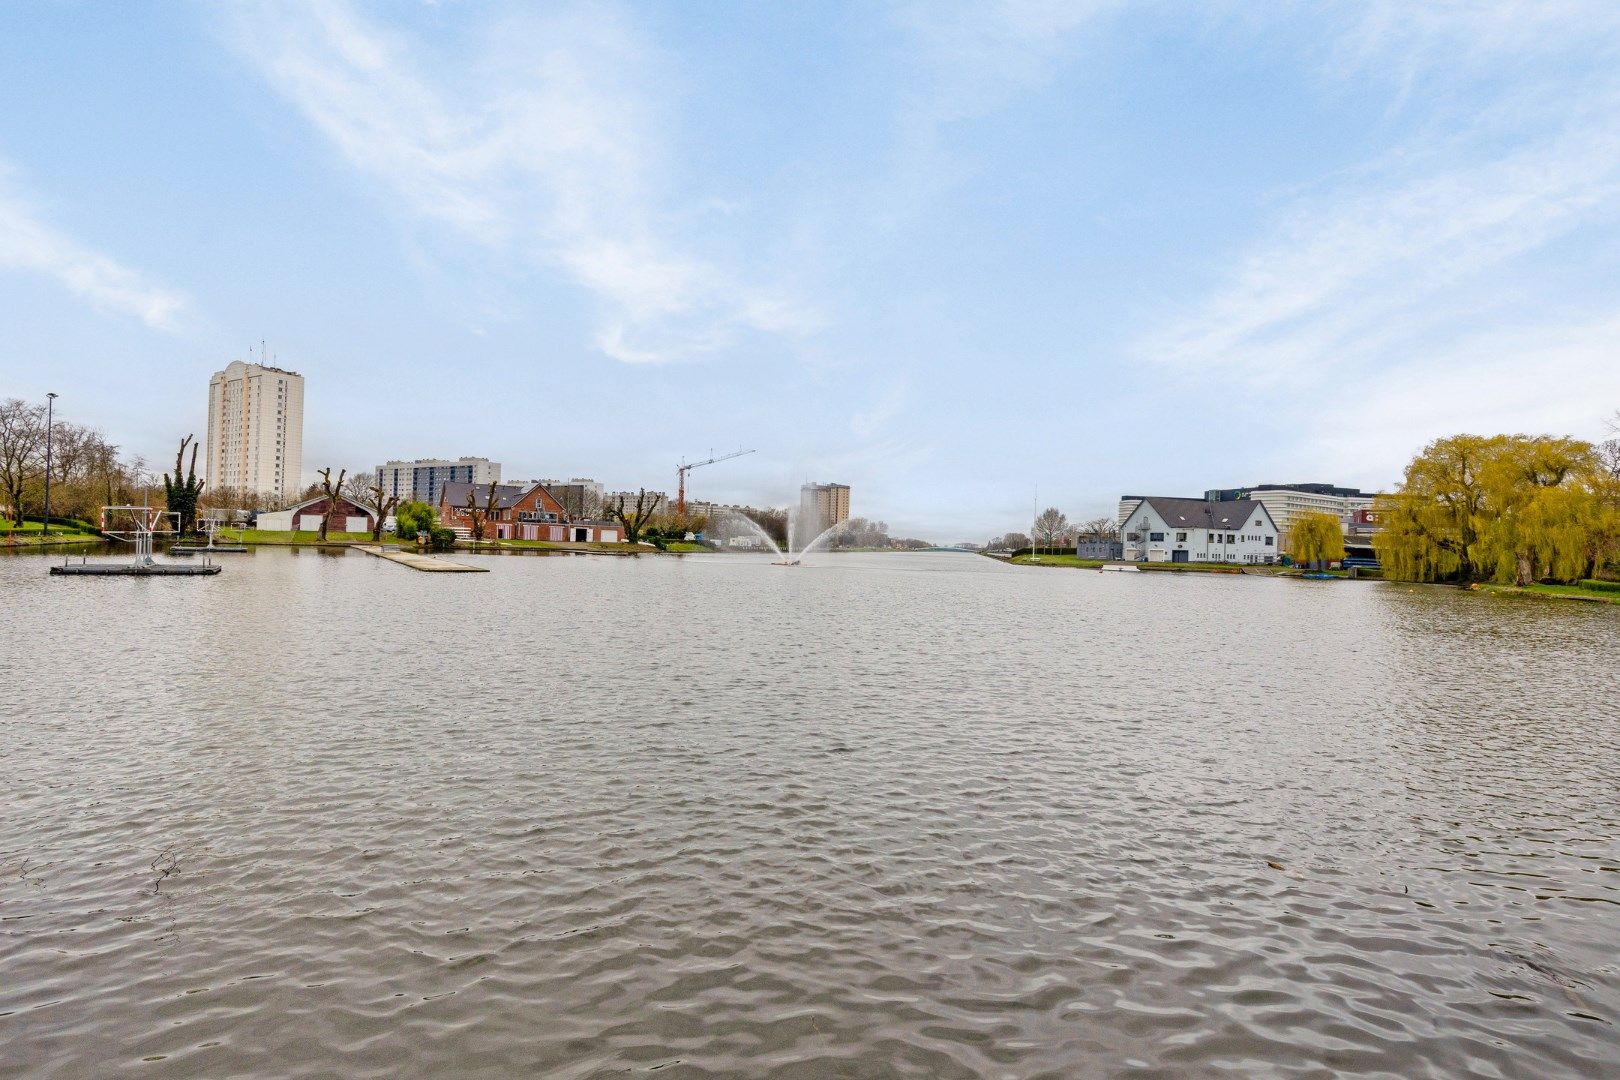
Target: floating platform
point(204, 549)
point(90, 569)
point(425, 563)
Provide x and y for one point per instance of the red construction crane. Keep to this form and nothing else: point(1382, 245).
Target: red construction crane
point(683, 468)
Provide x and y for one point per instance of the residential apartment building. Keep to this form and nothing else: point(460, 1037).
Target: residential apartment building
point(580, 496)
point(1288, 502)
point(821, 506)
point(658, 504)
point(255, 430)
point(1200, 530)
point(423, 479)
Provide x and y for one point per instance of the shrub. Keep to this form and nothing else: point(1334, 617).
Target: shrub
point(1601, 586)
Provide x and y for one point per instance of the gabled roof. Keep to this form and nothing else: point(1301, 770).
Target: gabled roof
point(454, 494)
point(1202, 514)
point(311, 501)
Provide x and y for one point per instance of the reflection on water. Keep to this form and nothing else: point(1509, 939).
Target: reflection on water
point(888, 816)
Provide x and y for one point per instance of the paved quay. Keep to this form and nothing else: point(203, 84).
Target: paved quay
point(426, 563)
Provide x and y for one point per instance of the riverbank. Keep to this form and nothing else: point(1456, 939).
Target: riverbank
point(1559, 592)
point(30, 534)
point(1074, 563)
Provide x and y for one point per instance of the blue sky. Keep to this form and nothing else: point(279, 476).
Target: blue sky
point(947, 253)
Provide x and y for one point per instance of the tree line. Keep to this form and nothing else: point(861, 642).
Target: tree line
point(87, 471)
point(1053, 530)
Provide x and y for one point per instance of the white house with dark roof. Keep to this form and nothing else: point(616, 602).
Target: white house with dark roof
point(1196, 530)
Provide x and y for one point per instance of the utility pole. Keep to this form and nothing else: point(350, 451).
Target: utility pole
point(50, 415)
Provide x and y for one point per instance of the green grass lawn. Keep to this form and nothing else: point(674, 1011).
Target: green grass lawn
point(1566, 592)
point(290, 539)
point(32, 534)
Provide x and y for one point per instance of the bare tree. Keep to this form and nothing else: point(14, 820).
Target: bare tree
point(478, 515)
point(22, 450)
point(333, 493)
point(1050, 526)
point(1100, 528)
point(636, 516)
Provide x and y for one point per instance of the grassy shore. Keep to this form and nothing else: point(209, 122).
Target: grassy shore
point(260, 537)
point(1074, 562)
point(32, 534)
point(1557, 592)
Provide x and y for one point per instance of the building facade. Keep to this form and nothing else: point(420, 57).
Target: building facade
point(1200, 530)
point(255, 430)
point(422, 480)
point(521, 512)
point(347, 516)
point(821, 506)
point(1288, 502)
point(580, 496)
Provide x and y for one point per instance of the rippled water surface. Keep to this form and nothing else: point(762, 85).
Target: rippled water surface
point(888, 816)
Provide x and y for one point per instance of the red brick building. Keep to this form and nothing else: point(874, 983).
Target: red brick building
point(520, 513)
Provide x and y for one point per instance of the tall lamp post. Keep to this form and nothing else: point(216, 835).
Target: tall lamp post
point(50, 415)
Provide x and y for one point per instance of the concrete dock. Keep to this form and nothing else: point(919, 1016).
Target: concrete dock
point(426, 563)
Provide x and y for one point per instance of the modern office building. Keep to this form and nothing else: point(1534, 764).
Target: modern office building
point(822, 506)
point(255, 430)
point(1287, 502)
point(422, 480)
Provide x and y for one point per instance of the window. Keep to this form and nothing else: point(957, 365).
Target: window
point(1156, 537)
point(1229, 538)
point(1181, 537)
point(1268, 541)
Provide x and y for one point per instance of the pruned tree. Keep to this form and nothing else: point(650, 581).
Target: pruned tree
point(634, 517)
point(22, 450)
point(183, 494)
point(477, 515)
point(333, 493)
point(367, 488)
point(1050, 525)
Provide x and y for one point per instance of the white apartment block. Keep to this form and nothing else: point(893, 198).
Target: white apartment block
point(1288, 502)
point(422, 480)
point(255, 430)
point(1197, 530)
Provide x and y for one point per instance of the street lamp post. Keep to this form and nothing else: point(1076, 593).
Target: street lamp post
point(50, 415)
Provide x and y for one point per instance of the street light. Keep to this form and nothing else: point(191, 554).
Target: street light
point(50, 414)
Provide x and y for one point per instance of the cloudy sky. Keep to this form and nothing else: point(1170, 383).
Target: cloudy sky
point(948, 253)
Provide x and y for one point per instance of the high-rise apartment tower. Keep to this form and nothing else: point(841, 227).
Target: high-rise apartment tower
point(255, 430)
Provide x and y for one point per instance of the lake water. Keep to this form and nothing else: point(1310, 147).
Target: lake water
point(887, 816)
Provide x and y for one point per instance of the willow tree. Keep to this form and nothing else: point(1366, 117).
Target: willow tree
point(1316, 538)
point(1509, 508)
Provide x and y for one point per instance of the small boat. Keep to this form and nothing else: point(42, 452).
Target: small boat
point(1317, 575)
point(1123, 568)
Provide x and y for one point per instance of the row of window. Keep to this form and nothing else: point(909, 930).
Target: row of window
point(1214, 538)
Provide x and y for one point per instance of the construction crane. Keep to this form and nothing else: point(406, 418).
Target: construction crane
point(683, 468)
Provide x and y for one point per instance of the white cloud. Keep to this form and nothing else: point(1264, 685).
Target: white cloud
point(1514, 150)
point(975, 56)
point(29, 243)
point(544, 140)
